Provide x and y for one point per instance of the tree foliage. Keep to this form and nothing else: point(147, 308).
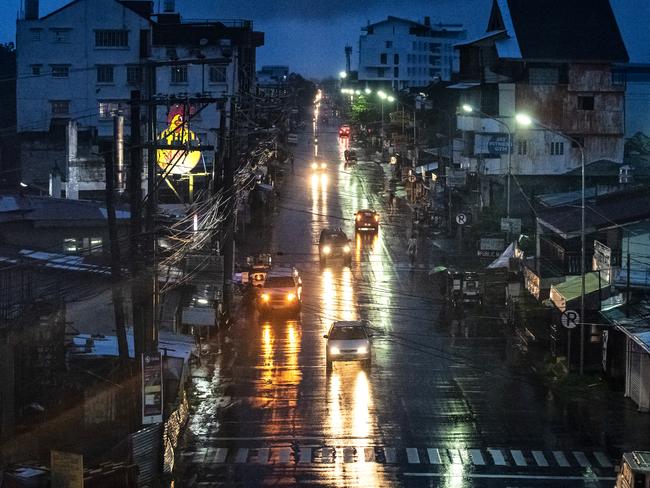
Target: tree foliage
point(362, 112)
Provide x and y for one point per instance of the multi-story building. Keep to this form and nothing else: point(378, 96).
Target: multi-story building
point(79, 64)
point(272, 80)
point(537, 58)
point(400, 53)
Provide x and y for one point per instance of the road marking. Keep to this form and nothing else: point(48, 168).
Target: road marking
point(412, 455)
point(285, 455)
point(220, 456)
point(497, 456)
point(328, 454)
point(305, 455)
point(434, 456)
point(242, 455)
point(602, 459)
point(540, 459)
point(477, 457)
point(510, 476)
point(369, 454)
point(348, 454)
point(391, 455)
point(518, 457)
point(561, 459)
point(581, 458)
point(263, 455)
point(455, 456)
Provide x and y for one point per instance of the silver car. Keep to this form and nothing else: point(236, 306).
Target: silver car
point(348, 341)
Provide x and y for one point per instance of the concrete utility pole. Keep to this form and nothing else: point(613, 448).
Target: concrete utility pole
point(231, 209)
point(117, 162)
point(150, 277)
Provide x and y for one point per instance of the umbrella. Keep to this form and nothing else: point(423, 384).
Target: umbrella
point(438, 269)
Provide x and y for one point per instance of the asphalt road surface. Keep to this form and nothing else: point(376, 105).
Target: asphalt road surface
point(444, 404)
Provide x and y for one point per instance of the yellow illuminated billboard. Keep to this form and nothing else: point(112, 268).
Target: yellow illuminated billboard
point(177, 161)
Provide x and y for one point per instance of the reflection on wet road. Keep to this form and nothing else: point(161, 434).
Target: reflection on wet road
point(443, 404)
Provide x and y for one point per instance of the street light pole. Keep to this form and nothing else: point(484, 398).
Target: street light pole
point(526, 120)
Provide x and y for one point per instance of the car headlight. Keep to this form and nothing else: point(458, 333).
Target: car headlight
point(362, 350)
point(323, 165)
point(265, 297)
point(346, 249)
point(291, 297)
point(376, 218)
point(358, 217)
point(334, 350)
point(327, 249)
point(314, 165)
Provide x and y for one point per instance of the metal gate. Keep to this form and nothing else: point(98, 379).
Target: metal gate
point(146, 449)
point(633, 370)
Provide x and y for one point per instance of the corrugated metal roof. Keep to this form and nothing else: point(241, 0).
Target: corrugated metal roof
point(35, 208)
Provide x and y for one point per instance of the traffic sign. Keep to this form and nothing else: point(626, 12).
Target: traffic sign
point(412, 178)
point(570, 319)
point(461, 219)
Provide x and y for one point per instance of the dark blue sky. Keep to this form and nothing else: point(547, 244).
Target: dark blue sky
point(310, 35)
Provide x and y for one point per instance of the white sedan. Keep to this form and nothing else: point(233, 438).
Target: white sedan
point(348, 341)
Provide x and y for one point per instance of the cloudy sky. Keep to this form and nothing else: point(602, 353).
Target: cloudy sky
point(309, 35)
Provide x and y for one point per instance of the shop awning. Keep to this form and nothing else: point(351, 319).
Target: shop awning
point(571, 289)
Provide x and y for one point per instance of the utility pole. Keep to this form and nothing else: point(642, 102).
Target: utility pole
point(231, 208)
point(150, 276)
point(117, 162)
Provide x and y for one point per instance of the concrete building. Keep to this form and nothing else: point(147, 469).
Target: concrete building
point(272, 80)
point(81, 62)
point(535, 58)
point(400, 53)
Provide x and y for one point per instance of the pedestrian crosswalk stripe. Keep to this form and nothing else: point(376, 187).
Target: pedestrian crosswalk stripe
point(561, 459)
point(369, 456)
point(602, 459)
point(305, 455)
point(285, 455)
point(477, 457)
point(242, 455)
point(328, 454)
point(263, 455)
point(497, 457)
point(412, 455)
point(455, 456)
point(581, 458)
point(540, 459)
point(220, 456)
point(391, 455)
point(518, 457)
point(348, 454)
point(434, 456)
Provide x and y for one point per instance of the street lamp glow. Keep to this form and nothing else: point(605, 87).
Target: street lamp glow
point(523, 119)
point(357, 92)
point(390, 98)
point(382, 95)
point(368, 91)
point(343, 74)
point(343, 90)
point(467, 108)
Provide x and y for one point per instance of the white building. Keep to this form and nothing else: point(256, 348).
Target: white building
point(81, 62)
point(404, 54)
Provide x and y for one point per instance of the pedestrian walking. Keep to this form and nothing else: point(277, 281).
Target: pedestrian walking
point(412, 249)
point(391, 202)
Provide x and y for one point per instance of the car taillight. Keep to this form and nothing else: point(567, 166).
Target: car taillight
point(265, 297)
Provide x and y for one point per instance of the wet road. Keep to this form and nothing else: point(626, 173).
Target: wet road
point(443, 404)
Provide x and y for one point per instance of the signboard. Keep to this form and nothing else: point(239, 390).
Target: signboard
point(461, 219)
point(152, 390)
point(67, 469)
point(602, 261)
point(177, 161)
point(491, 144)
point(513, 226)
point(456, 178)
point(490, 247)
point(200, 316)
point(570, 319)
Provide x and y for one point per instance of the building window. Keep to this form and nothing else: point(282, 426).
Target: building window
point(389, 44)
point(586, 103)
point(217, 74)
point(70, 245)
point(396, 58)
point(36, 69)
point(557, 148)
point(383, 58)
point(395, 72)
point(36, 34)
point(134, 75)
point(105, 73)
point(522, 147)
point(60, 35)
point(111, 38)
point(86, 245)
point(380, 72)
point(60, 70)
point(109, 108)
point(60, 107)
point(95, 245)
point(618, 78)
point(179, 74)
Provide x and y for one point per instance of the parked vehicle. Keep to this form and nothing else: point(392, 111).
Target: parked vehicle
point(634, 470)
point(281, 292)
point(348, 341)
point(463, 288)
point(344, 131)
point(334, 245)
point(366, 220)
